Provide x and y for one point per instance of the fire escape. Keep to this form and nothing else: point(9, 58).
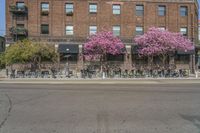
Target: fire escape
point(19, 14)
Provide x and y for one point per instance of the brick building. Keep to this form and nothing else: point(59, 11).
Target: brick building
point(68, 23)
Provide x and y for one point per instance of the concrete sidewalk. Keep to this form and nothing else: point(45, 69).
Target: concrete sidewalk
point(103, 81)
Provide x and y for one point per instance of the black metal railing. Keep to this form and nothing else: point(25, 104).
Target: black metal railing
point(18, 31)
point(18, 10)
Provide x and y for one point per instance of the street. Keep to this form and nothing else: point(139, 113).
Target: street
point(102, 108)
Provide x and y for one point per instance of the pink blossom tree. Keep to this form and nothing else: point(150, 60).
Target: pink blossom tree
point(99, 45)
point(157, 42)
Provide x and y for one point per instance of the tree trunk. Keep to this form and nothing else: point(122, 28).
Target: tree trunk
point(37, 61)
point(164, 57)
point(103, 66)
point(150, 61)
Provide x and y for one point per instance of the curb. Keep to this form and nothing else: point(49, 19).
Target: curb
point(101, 81)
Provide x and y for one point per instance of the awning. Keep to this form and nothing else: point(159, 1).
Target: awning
point(68, 48)
point(134, 49)
point(186, 52)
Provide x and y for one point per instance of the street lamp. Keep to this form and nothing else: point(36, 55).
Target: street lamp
point(67, 64)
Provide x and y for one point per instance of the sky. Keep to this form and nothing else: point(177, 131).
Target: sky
point(2, 17)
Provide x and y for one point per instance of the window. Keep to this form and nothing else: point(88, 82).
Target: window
point(139, 30)
point(68, 57)
point(44, 29)
point(93, 8)
point(20, 25)
point(139, 10)
point(69, 30)
point(116, 9)
point(69, 8)
point(140, 60)
point(20, 5)
point(161, 10)
point(44, 9)
point(183, 31)
point(45, 6)
point(116, 30)
point(182, 59)
point(183, 11)
point(119, 57)
point(93, 30)
point(162, 28)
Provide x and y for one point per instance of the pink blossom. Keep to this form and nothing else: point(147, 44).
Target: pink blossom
point(101, 44)
point(156, 42)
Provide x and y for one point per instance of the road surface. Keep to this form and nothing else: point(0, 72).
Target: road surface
point(158, 108)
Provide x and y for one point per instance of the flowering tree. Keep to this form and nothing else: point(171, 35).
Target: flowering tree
point(99, 45)
point(157, 42)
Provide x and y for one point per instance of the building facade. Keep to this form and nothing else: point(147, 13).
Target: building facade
point(67, 23)
point(199, 29)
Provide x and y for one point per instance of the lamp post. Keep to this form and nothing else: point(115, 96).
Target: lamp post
point(7, 72)
point(67, 63)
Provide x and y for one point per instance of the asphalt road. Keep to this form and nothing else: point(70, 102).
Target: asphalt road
point(102, 108)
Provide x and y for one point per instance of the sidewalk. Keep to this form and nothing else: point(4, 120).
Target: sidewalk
point(102, 81)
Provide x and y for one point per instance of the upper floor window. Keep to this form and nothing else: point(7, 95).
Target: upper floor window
point(162, 28)
point(45, 6)
point(139, 30)
point(93, 30)
point(161, 10)
point(44, 9)
point(183, 31)
point(69, 30)
point(139, 10)
point(44, 29)
point(20, 5)
point(116, 9)
point(69, 8)
point(183, 11)
point(116, 30)
point(93, 8)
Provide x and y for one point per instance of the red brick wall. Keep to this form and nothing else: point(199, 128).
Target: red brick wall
point(104, 19)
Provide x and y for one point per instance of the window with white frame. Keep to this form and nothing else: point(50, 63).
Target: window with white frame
point(20, 5)
point(69, 7)
point(116, 9)
point(69, 30)
point(45, 6)
point(183, 31)
point(183, 11)
point(93, 7)
point(116, 30)
point(162, 28)
point(139, 30)
point(139, 10)
point(93, 30)
point(161, 10)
